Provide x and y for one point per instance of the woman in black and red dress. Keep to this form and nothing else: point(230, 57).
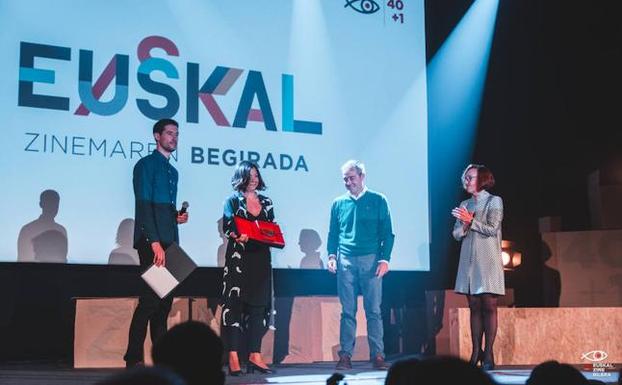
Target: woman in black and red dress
point(247, 275)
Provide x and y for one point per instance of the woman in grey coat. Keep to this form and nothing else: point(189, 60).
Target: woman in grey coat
point(480, 271)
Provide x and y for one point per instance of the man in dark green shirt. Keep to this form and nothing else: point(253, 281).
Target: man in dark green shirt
point(155, 228)
point(360, 240)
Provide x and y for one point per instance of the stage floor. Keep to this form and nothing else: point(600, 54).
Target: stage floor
point(308, 374)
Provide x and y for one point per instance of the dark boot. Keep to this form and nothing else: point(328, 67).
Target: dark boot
point(379, 363)
point(344, 362)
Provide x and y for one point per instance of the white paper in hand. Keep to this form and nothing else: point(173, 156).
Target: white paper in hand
point(177, 268)
point(160, 279)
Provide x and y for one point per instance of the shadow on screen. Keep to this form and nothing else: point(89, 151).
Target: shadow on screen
point(309, 242)
point(124, 253)
point(44, 240)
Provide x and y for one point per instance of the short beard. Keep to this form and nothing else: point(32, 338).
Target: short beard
point(168, 148)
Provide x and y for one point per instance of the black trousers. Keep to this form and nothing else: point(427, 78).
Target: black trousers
point(255, 330)
point(150, 310)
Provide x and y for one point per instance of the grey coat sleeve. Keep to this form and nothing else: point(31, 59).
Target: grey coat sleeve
point(490, 225)
point(459, 231)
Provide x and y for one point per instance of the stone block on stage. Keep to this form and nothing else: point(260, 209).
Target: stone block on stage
point(314, 330)
point(102, 325)
point(452, 300)
point(530, 336)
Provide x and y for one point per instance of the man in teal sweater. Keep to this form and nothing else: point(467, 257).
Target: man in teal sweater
point(360, 239)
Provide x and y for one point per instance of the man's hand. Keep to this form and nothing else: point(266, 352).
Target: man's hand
point(183, 218)
point(159, 258)
point(332, 263)
point(382, 269)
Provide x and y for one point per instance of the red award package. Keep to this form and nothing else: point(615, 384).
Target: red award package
point(261, 231)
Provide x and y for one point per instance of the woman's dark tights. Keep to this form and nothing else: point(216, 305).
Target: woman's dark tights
point(483, 309)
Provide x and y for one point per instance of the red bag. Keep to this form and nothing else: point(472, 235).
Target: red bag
point(268, 233)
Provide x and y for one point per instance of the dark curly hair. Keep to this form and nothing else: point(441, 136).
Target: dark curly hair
point(242, 176)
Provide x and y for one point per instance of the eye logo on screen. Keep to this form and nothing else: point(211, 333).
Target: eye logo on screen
point(115, 77)
point(595, 356)
point(363, 6)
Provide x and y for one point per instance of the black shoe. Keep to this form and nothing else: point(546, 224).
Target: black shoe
point(235, 373)
point(344, 363)
point(477, 359)
point(379, 363)
point(250, 369)
point(488, 363)
point(132, 364)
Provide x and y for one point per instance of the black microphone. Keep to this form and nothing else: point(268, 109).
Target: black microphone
point(184, 208)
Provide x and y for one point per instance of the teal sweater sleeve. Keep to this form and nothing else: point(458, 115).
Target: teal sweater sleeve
point(333, 230)
point(385, 227)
